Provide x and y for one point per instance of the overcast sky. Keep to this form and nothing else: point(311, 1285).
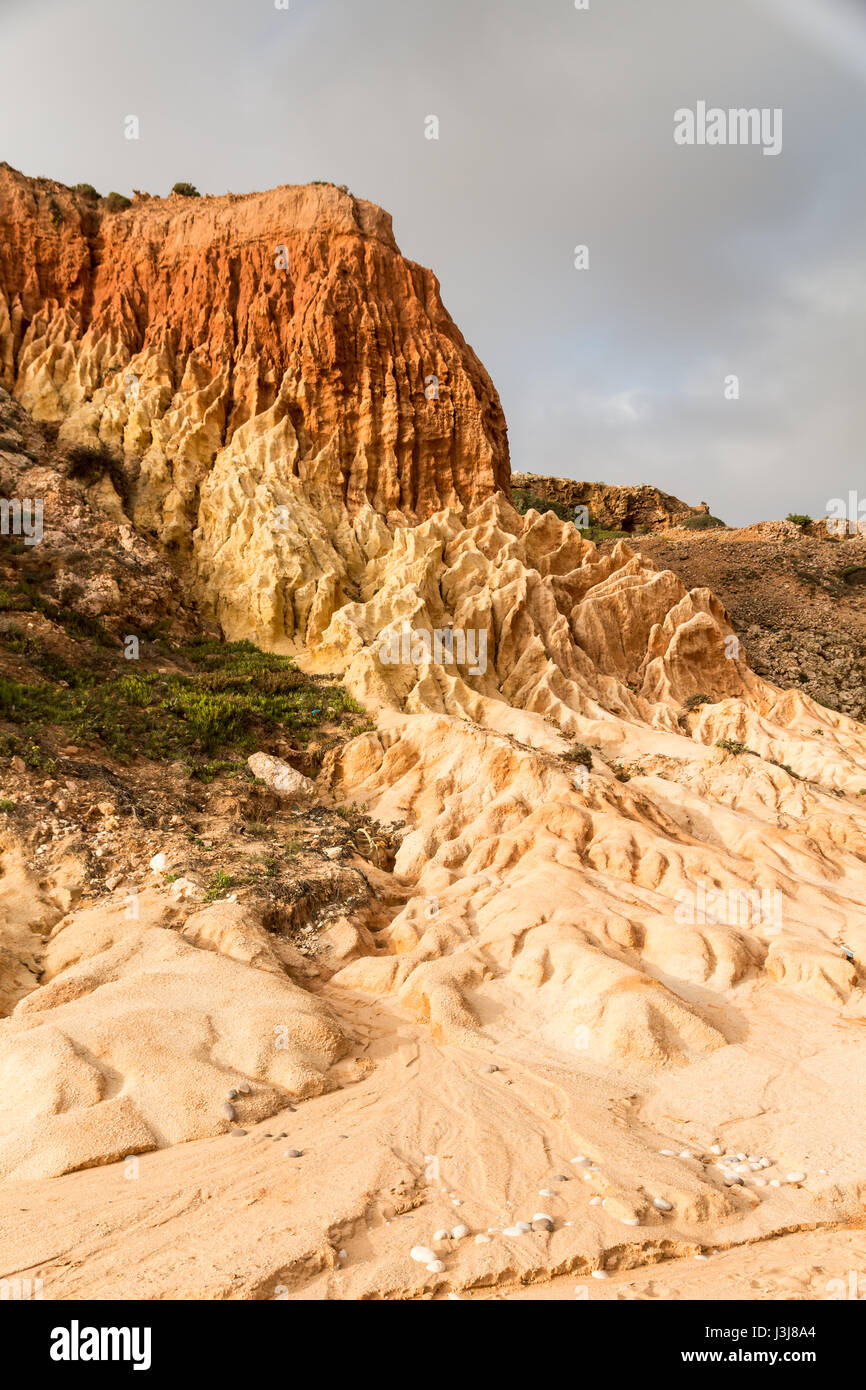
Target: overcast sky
point(556, 129)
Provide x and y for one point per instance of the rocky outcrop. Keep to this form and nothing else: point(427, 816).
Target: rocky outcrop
point(163, 329)
point(614, 508)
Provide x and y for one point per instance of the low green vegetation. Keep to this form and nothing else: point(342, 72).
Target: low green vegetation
point(117, 202)
point(695, 702)
point(578, 753)
point(731, 745)
point(186, 190)
point(702, 522)
point(233, 699)
point(525, 501)
point(799, 519)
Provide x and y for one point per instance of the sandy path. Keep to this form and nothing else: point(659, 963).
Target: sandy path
point(427, 1140)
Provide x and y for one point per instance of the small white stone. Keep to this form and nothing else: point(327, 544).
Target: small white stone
point(523, 1226)
point(599, 1274)
point(441, 1235)
point(701, 1257)
point(542, 1216)
point(742, 1169)
point(457, 1202)
point(741, 1158)
point(159, 862)
point(459, 1232)
point(629, 1221)
point(662, 1204)
point(545, 1192)
point(668, 1153)
point(753, 1158)
point(582, 1160)
point(774, 1182)
point(513, 1231)
point(482, 1240)
point(716, 1149)
point(796, 1177)
point(422, 1255)
point(765, 1162)
point(342, 1254)
point(686, 1153)
point(595, 1201)
point(436, 1267)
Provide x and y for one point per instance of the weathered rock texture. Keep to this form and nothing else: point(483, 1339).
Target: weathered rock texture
point(164, 329)
point(614, 508)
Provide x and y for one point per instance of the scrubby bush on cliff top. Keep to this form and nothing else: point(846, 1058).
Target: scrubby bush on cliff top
point(186, 190)
point(524, 501)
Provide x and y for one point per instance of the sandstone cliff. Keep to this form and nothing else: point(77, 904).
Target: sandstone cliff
point(162, 329)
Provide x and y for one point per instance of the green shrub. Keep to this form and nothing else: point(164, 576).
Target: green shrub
point(731, 745)
point(524, 501)
point(799, 519)
point(701, 522)
point(695, 701)
point(186, 190)
point(220, 883)
point(579, 753)
point(117, 202)
point(86, 190)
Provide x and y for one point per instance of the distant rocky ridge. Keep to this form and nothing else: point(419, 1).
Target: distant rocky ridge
point(613, 508)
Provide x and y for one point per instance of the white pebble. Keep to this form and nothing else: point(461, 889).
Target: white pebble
point(436, 1267)
point(159, 862)
point(482, 1240)
point(459, 1232)
point(545, 1192)
point(512, 1231)
point(457, 1202)
point(629, 1221)
point(702, 1257)
point(716, 1149)
point(523, 1226)
point(774, 1182)
point(542, 1216)
point(796, 1177)
point(662, 1204)
point(441, 1235)
point(421, 1255)
point(686, 1153)
point(595, 1201)
point(741, 1158)
point(599, 1274)
point(582, 1160)
point(668, 1153)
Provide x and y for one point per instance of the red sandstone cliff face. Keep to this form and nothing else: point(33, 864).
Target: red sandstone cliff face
point(162, 329)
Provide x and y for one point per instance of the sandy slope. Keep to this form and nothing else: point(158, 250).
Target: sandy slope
point(539, 979)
